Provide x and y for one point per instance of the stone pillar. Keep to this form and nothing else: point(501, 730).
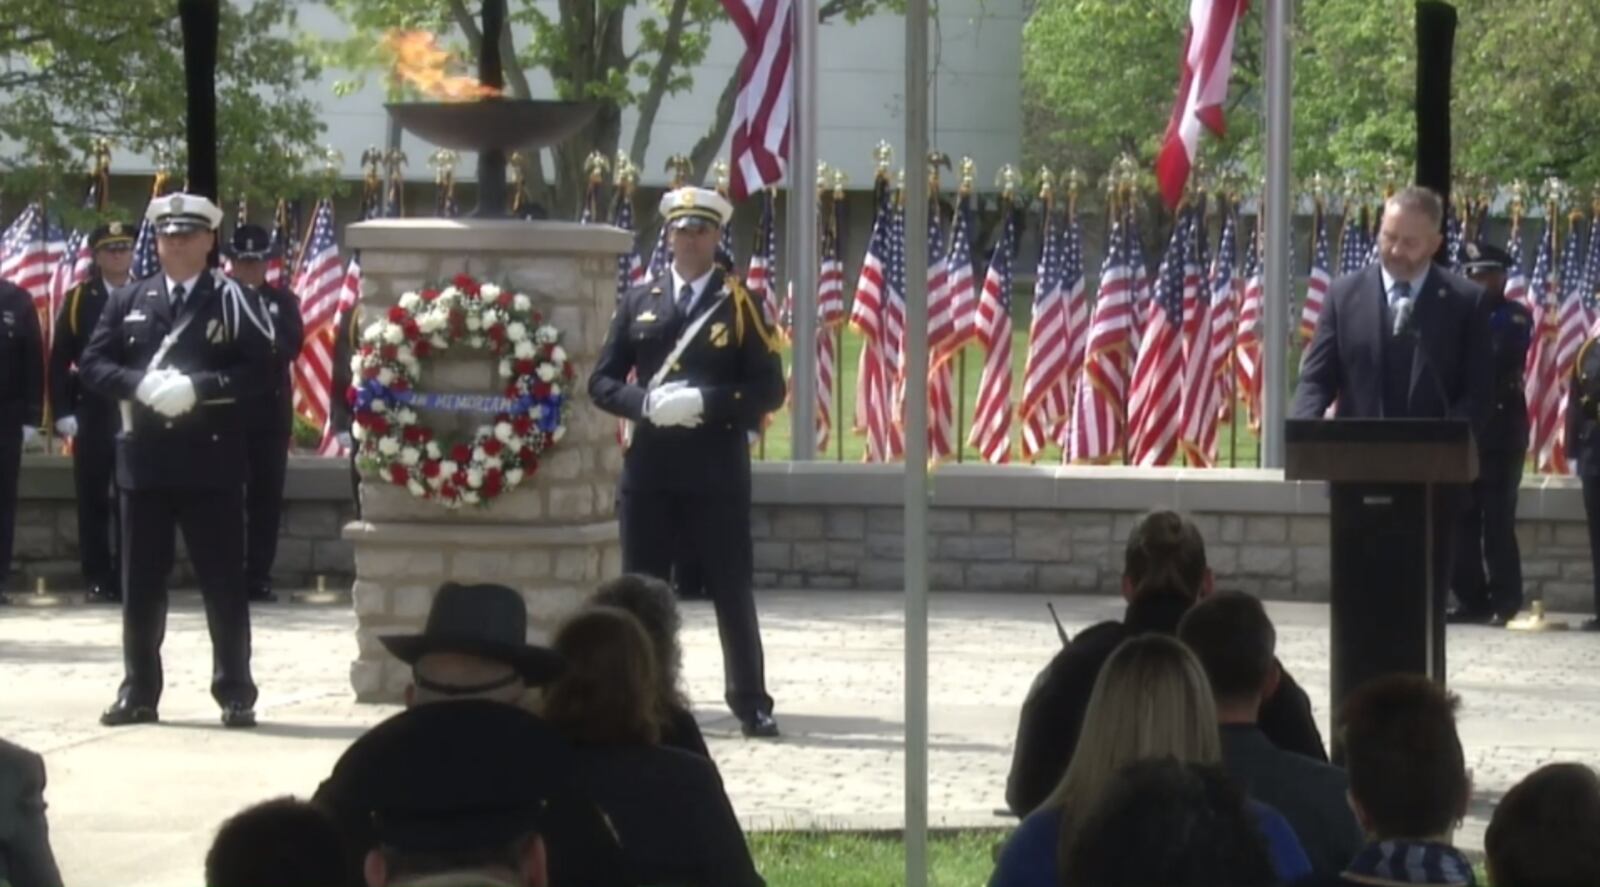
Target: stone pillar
point(556, 534)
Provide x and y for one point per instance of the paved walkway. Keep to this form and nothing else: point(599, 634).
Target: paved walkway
point(137, 806)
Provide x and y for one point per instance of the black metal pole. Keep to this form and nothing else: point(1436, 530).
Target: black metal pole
point(492, 163)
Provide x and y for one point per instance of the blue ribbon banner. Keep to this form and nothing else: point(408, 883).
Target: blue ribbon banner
point(460, 403)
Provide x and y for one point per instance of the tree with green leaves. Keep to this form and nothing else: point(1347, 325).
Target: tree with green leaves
point(620, 53)
point(90, 69)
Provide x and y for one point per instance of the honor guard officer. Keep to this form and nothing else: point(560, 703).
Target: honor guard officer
point(182, 351)
point(340, 414)
point(21, 404)
point(268, 418)
point(1583, 448)
point(1486, 535)
point(88, 418)
point(708, 370)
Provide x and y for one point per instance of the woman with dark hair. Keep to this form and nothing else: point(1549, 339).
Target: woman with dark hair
point(652, 602)
point(668, 806)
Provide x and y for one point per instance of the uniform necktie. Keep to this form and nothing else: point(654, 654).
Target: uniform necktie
point(1401, 292)
point(685, 296)
point(177, 299)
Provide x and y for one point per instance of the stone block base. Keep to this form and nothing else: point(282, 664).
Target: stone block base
point(399, 567)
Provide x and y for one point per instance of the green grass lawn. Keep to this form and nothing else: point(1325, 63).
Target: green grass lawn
point(1237, 444)
point(853, 859)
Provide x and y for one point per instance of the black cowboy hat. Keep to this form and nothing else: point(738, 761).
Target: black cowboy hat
point(488, 621)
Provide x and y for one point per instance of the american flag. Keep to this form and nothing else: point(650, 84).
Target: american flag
point(1140, 270)
point(951, 306)
point(29, 251)
point(75, 266)
point(947, 270)
point(1540, 382)
point(725, 251)
point(1591, 276)
point(1047, 368)
point(661, 256)
point(1454, 244)
point(1318, 279)
point(1516, 279)
point(991, 420)
point(1571, 325)
point(1099, 403)
point(146, 261)
point(1224, 294)
point(1353, 247)
point(762, 275)
point(766, 79)
point(1155, 398)
point(1202, 89)
point(279, 259)
point(349, 298)
point(830, 314)
point(878, 313)
point(630, 271)
point(1199, 409)
point(318, 282)
point(1247, 347)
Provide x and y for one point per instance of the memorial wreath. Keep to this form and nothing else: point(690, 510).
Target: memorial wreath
point(528, 414)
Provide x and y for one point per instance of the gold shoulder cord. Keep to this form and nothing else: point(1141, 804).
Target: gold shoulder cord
point(72, 313)
point(744, 304)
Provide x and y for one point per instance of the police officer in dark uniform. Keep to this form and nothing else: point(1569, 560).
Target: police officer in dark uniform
point(21, 404)
point(89, 419)
point(707, 369)
point(268, 418)
point(181, 352)
point(1486, 532)
point(1583, 448)
point(340, 415)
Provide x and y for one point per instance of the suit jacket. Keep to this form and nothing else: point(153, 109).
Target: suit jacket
point(80, 312)
point(226, 350)
point(733, 360)
point(1346, 358)
point(21, 360)
point(25, 857)
point(1310, 794)
point(1052, 715)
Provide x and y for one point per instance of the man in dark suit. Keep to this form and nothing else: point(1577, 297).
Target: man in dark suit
point(1487, 535)
point(1404, 339)
point(21, 405)
point(25, 856)
point(269, 418)
point(707, 370)
point(182, 350)
point(89, 419)
point(1583, 448)
point(1232, 637)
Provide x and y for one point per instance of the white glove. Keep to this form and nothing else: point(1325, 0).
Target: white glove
point(149, 384)
point(654, 397)
point(343, 438)
point(67, 426)
point(175, 396)
point(682, 407)
point(28, 434)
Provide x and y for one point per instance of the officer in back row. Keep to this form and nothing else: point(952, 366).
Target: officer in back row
point(1583, 448)
point(181, 352)
point(86, 417)
point(1486, 535)
point(21, 404)
point(269, 418)
point(707, 371)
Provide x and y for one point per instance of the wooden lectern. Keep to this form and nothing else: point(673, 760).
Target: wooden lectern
point(1393, 490)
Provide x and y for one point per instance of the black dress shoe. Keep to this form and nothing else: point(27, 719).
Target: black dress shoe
point(101, 593)
point(1465, 616)
point(759, 726)
point(262, 594)
point(237, 714)
point(121, 714)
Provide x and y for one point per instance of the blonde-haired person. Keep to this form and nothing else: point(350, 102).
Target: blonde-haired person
point(1152, 700)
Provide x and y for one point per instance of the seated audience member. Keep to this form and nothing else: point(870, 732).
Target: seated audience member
point(284, 842)
point(1408, 782)
point(1545, 832)
point(473, 810)
point(668, 806)
point(473, 649)
point(1230, 634)
point(1150, 701)
point(651, 601)
point(25, 857)
point(1164, 573)
point(1160, 823)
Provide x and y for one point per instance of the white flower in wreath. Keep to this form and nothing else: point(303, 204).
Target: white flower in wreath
point(416, 488)
point(478, 455)
point(373, 331)
point(436, 482)
point(546, 371)
point(521, 304)
point(380, 406)
point(439, 341)
point(385, 378)
point(474, 323)
point(475, 477)
point(358, 432)
point(513, 477)
point(505, 367)
point(493, 462)
point(409, 456)
point(547, 335)
point(525, 350)
point(558, 434)
point(516, 331)
point(492, 317)
point(555, 390)
point(489, 291)
point(468, 497)
point(410, 301)
point(502, 431)
point(393, 334)
point(559, 355)
point(448, 467)
point(433, 449)
point(476, 341)
point(431, 322)
point(407, 416)
point(388, 446)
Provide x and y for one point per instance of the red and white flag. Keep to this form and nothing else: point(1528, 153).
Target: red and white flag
point(1202, 90)
point(317, 282)
point(766, 82)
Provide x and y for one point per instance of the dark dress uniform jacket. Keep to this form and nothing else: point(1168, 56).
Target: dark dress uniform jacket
point(1355, 358)
point(80, 313)
point(276, 408)
point(1052, 716)
point(732, 359)
point(1510, 333)
point(226, 355)
point(21, 361)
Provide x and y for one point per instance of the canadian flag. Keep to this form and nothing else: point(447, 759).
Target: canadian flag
point(1202, 89)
